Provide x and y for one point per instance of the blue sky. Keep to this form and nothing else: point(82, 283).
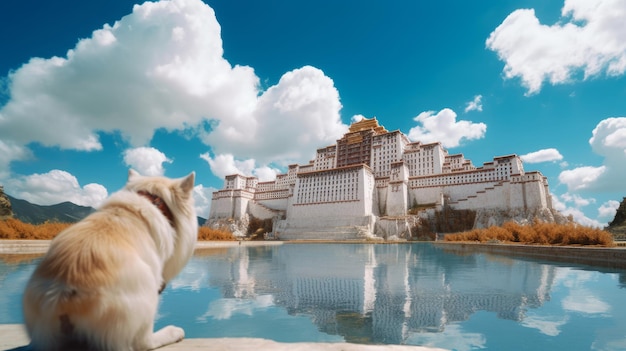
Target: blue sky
point(89, 89)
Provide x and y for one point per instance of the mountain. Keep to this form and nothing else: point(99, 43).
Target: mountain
point(36, 214)
point(617, 227)
point(5, 205)
point(66, 212)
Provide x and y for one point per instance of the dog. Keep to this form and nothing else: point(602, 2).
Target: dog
point(98, 285)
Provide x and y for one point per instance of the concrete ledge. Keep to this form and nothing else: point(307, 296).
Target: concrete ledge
point(29, 247)
point(24, 246)
point(608, 257)
point(14, 338)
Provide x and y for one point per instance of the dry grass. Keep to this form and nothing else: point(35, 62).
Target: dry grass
point(208, 234)
point(15, 229)
point(538, 233)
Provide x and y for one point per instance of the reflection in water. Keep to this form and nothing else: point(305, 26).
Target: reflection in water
point(413, 294)
point(375, 293)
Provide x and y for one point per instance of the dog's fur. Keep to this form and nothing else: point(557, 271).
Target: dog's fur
point(98, 285)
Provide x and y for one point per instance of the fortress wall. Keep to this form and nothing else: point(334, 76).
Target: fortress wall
point(397, 200)
point(222, 208)
point(456, 192)
point(536, 195)
point(354, 208)
point(240, 207)
point(424, 195)
point(530, 194)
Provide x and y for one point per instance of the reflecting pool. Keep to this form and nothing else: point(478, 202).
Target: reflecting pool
point(414, 294)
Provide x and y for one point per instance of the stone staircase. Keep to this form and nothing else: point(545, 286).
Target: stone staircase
point(261, 211)
point(480, 194)
point(323, 229)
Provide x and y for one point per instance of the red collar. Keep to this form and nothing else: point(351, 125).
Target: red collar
point(160, 204)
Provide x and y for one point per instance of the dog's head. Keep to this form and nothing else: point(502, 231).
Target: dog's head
point(177, 194)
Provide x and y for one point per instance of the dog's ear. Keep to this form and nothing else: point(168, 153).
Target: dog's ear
point(186, 185)
point(132, 174)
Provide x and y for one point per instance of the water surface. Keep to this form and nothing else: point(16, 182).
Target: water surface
point(412, 294)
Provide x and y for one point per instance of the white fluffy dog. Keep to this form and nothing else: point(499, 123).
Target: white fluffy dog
point(98, 285)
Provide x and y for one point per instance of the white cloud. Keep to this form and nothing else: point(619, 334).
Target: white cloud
point(475, 105)
point(202, 197)
point(146, 160)
point(570, 205)
point(226, 164)
point(609, 138)
point(291, 119)
point(444, 127)
point(8, 152)
point(266, 173)
point(162, 67)
point(357, 118)
point(581, 177)
point(545, 155)
point(609, 141)
point(577, 199)
point(223, 165)
point(608, 209)
point(590, 37)
point(55, 187)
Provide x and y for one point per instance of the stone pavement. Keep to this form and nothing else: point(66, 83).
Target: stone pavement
point(13, 338)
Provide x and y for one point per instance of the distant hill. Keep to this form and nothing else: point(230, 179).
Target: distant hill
point(66, 212)
point(617, 227)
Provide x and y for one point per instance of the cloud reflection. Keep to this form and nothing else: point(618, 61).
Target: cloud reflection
point(226, 308)
point(453, 338)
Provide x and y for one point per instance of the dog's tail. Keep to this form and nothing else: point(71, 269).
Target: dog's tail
point(49, 313)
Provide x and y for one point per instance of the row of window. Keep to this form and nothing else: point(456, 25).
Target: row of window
point(327, 187)
point(474, 177)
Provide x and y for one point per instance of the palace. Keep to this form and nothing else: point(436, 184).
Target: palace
point(372, 174)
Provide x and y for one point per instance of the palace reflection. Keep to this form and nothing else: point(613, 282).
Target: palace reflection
point(381, 293)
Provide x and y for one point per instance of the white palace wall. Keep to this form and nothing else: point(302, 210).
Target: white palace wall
point(221, 208)
point(230, 203)
point(351, 196)
point(320, 197)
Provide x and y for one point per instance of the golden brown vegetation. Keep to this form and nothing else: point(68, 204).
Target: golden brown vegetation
point(15, 229)
point(538, 233)
point(208, 234)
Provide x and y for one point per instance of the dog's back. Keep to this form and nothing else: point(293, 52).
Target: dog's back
point(92, 278)
point(99, 282)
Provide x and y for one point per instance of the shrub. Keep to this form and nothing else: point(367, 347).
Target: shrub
point(538, 233)
point(209, 234)
point(13, 229)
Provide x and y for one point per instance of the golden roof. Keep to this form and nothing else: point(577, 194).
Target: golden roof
point(366, 124)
